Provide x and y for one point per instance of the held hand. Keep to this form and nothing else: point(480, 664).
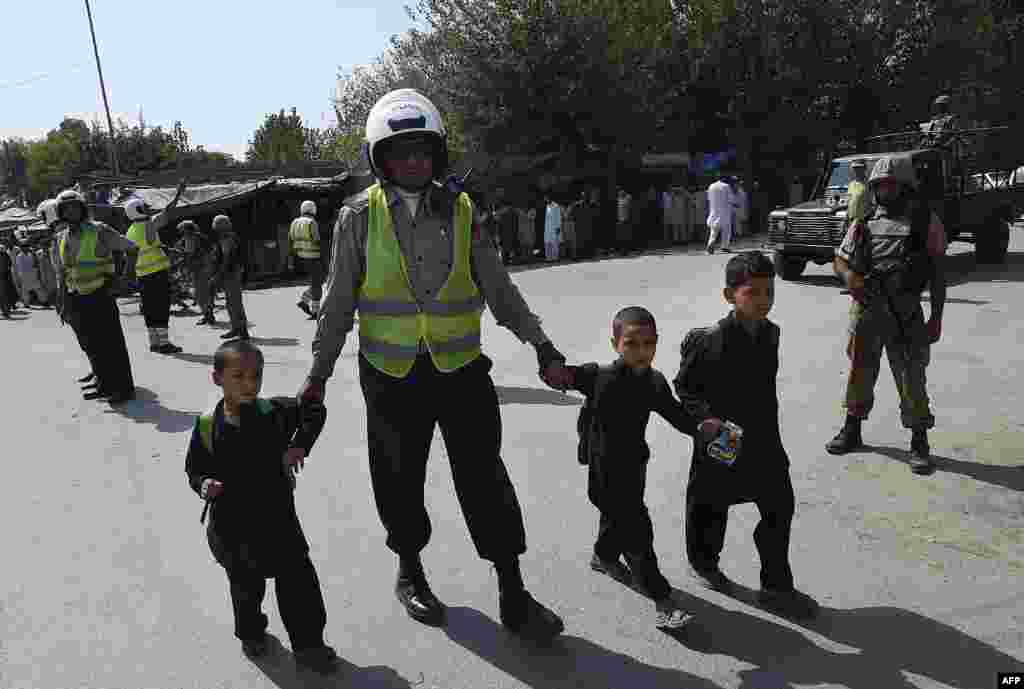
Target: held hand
point(294, 459)
point(211, 489)
point(710, 428)
point(312, 391)
point(557, 376)
point(934, 329)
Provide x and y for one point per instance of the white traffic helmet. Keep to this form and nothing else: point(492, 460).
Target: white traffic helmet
point(67, 198)
point(137, 209)
point(307, 208)
point(47, 212)
point(401, 113)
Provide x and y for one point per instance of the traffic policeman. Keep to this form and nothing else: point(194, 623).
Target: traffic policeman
point(153, 269)
point(304, 235)
point(228, 273)
point(85, 261)
point(409, 256)
point(858, 205)
point(886, 268)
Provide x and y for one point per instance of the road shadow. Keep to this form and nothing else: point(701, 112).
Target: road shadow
point(275, 341)
point(146, 408)
point(204, 359)
point(1011, 477)
point(963, 268)
point(279, 667)
point(568, 661)
point(887, 642)
point(519, 395)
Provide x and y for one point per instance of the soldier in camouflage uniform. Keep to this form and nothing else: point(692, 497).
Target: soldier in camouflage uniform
point(887, 265)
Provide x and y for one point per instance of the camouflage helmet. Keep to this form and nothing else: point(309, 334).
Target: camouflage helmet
point(188, 227)
point(895, 168)
point(944, 99)
point(221, 223)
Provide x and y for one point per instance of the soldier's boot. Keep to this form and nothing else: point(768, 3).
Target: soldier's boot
point(921, 461)
point(166, 346)
point(154, 339)
point(847, 439)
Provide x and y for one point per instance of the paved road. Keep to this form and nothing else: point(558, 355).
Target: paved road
point(107, 582)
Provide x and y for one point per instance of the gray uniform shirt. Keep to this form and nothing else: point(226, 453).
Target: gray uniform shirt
point(427, 246)
point(107, 242)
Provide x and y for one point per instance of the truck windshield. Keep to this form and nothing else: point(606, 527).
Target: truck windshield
point(839, 177)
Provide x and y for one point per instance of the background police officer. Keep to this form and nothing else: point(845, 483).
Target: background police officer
point(153, 269)
point(85, 261)
point(410, 258)
point(304, 236)
point(886, 270)
point(228, 273)
point(858, 205)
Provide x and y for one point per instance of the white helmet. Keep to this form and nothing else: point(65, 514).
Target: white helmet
point(137, 209)
point(307, 208)
point(68, 197)
point(401, 113)
point(47, 211)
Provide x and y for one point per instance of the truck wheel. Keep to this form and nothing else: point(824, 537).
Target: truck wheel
point(991, 247)
point(789, 267)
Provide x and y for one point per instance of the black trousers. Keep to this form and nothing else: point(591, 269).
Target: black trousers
point(713, 488)
point(6, 293)
point(616, 488)
point(401, 416)
point(156, 299)
point(97, 322)
point(298, 598)
point(315, 270)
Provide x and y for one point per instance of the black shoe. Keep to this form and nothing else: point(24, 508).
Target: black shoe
point(521, 614)
point(207, 319)
point(121, 397)
point(321, 659)
point(231, 334)
point(847, 439)
point(304, 307)
point(87, 378)
point(791, 603)
point(413, 592)
point(921, 461)
point(612, 568)
point(96, 395)
point(255, 648)
point(167, 348)
point(712, 579)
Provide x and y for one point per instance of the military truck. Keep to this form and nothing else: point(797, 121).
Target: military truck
point(969, 180)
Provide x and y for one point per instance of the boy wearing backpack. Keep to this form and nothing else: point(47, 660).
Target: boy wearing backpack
point(728, 373)
point(612, 428)
point(242, 460)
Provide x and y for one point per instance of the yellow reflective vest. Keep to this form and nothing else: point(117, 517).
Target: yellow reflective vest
point(86, 272)
point(391, 320)
point(152, 258)
point(304, 243)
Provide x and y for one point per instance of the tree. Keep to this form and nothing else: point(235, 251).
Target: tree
point(280, 139)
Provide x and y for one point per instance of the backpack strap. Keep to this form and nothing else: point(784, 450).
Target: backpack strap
point(712, 336)
point(205, 425)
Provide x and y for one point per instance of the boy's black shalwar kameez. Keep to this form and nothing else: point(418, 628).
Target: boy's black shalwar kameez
point(254, 531)
point(622, 403)
point(734, 380)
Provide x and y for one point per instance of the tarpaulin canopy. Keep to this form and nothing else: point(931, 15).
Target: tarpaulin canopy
point(201, 199)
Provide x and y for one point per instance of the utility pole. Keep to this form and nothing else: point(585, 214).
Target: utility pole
point(103, 90)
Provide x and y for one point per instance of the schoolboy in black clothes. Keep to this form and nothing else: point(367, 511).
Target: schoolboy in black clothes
point(728, 373)
point(242, 459)
point(620, 399)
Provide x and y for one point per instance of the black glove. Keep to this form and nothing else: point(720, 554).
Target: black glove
point(547, 355)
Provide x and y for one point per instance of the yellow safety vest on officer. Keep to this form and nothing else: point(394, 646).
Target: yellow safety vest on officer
point(392, 321)
point(86, 272)
point(305, 238)
point(152, 258)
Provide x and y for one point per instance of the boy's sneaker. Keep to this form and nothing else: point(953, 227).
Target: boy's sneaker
point(789, 603)
point(255, 648)
point(712, 579)
point(669, 616)
point(321, 659)
point(521, 614)
point(612, 568)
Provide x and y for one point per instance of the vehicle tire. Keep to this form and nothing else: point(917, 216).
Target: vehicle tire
point(991, 247)
point(789, 267)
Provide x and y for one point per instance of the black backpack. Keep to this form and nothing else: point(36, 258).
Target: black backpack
point(586, 424)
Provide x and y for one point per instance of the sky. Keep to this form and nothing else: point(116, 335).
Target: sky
point(219, 66)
